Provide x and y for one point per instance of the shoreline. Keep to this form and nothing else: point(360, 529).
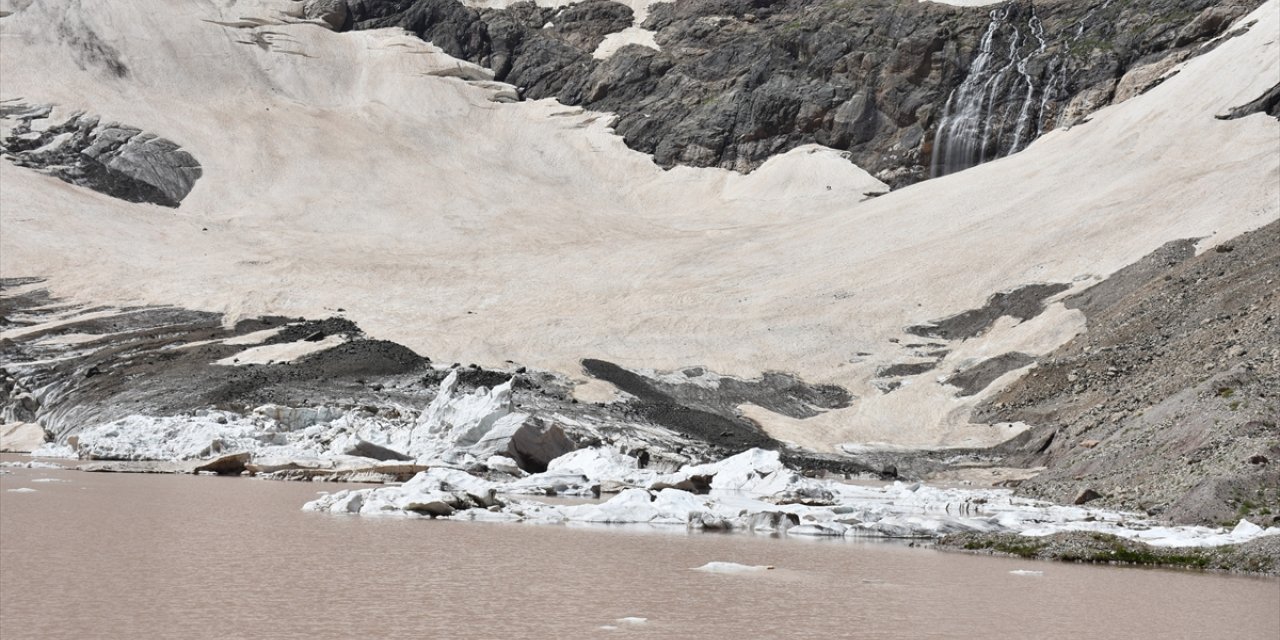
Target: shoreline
point(1258, 557)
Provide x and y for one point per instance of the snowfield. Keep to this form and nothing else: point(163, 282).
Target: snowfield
point(359, 171)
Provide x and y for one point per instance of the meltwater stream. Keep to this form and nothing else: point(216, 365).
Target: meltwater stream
point(160, 556)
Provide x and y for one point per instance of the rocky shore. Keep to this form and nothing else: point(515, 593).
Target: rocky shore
point(1256, 557)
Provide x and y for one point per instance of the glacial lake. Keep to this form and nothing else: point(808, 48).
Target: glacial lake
point(90, 555)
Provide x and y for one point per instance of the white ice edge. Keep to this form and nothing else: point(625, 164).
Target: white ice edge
point(751, 491)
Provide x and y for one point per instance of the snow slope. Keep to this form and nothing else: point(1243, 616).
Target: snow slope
point(343, 170)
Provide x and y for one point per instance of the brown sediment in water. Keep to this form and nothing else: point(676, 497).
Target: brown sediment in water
point(127, 556)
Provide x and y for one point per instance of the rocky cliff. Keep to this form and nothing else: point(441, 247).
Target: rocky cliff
point(910, 89)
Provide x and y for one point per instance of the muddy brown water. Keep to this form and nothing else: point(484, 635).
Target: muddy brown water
point(159, 556)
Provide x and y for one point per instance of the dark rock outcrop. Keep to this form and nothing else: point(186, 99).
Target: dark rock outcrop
point(1023, 303)
point(911, 89)
point(118, 160)
point(705, 405)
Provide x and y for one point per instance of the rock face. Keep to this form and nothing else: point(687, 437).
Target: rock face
point(119, 160)
point(1174, 388)
point(911, 89)
point(332, 12)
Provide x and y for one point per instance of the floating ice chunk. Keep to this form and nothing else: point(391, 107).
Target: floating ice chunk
point(22, 490)
point(49, 480)
point(1026, 572)
point(599, 463)
point(577, 472)
point(632, 620)
point(731, 567)
point(629, 506)
point(826, 529)
point(435, 492)
point(53, 450)
point(34, 464)
point(504, 464)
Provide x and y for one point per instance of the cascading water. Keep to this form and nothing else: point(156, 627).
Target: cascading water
point(1001, 105)
point(961, 132)
point(1024, 113)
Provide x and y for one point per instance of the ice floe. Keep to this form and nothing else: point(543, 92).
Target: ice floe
point(34, 464)
point(731, 567)
point(754, 492)
point(440, 453)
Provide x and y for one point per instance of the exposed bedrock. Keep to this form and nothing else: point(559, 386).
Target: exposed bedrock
point(112, 158)
point(1170, 402)
point(702, 404)
point(910, 89)
point(1023, 303)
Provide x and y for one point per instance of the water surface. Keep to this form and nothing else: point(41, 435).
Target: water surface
point(160, 556)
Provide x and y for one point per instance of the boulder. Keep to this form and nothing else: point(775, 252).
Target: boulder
point(366, 449)
point(331, 12)
point(229, 465)
point(1086, 495)
point(20, 437)
point(532, 443)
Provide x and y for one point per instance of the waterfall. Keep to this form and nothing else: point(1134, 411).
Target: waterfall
point(956, 143)
point(1024, 113)
point(1000, 105)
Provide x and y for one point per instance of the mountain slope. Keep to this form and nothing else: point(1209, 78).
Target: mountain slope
point(349, 170)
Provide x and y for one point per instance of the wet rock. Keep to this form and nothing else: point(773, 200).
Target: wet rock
point(229, 465)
